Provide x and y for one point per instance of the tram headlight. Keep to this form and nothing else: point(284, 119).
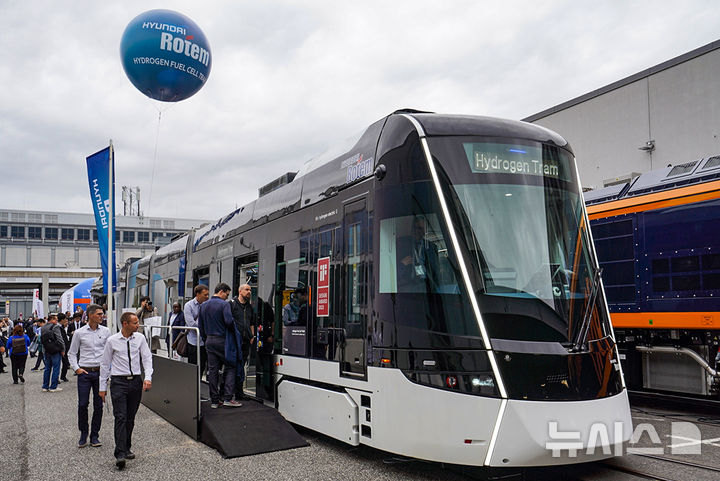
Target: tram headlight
point(482, 381)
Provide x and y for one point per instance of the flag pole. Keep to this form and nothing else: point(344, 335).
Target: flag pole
point(110, 260)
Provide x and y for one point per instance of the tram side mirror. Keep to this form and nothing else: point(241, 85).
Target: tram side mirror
point(380, 172)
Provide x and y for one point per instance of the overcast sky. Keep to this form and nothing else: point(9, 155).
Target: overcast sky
point(290, 79)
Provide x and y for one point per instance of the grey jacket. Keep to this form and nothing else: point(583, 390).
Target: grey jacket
point(56, 334)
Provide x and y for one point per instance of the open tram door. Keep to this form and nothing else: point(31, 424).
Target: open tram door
point(245, 271)
point(353, 359)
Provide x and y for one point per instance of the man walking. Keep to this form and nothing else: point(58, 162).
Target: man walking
point(54, 349)
point(122, 357)
point(85, 356)
point(217, 329)
point(244, 316)
point(191, 313)
point(63, 321)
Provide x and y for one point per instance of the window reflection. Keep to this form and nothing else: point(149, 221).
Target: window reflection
point(414, 256)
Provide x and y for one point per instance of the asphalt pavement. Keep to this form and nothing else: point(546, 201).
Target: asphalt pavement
point(39, 436)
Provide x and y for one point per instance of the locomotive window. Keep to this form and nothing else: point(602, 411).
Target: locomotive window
point(711, 261)
point(686, 283)
point(661, 284)
point(612, 229)
point(621, 294)
point(711, 281)
point(660, 266)
point(685, 264)
point(686, 273)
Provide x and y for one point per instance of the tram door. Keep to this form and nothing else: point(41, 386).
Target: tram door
point(353, 362)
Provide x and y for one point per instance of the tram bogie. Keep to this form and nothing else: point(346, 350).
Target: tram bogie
point(429, 289)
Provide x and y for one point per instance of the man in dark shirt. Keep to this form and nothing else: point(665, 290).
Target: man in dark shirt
point(74, 323)
point(217, 330)
point(63, 321)
point(244, 316)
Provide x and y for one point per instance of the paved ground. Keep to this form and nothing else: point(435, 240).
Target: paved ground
point(38, 436)
point(39, 442)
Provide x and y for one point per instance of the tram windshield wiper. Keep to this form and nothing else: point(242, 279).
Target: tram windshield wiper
point(582, 333)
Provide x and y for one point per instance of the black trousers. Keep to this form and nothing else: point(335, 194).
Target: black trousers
point(17, 363)
point(193, 358)
point(65, 366)
point(40, 358)
point(126, 395)
point(241, 371)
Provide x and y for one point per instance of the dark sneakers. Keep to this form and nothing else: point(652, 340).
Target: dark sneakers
point(129, 455)
point(83, 441)
point(95, 443)
point(120, 464)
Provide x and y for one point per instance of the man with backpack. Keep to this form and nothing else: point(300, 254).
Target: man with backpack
point(54, 348)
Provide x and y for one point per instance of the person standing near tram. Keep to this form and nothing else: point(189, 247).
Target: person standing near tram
point(245, 322)
point(85, 356)
point(122, 358)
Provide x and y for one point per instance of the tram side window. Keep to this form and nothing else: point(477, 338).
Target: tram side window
point(414, 257)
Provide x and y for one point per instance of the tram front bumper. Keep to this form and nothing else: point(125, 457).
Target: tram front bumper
point(537, 433)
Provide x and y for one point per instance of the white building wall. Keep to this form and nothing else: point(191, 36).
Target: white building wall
point(41, 257)
point(64, 256)
point(89, 257)
point(675, 104)
point(15, 257)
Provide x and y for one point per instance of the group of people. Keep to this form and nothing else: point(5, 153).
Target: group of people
point(98, 359)
point(31, 330)
point(227, 332)
point(81, 342)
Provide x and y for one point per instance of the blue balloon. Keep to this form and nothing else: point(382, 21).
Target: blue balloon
point(165, 55)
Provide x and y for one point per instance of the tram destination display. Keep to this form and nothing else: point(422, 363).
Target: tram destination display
point(490, 158)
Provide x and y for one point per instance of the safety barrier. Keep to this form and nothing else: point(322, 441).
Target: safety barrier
point(175, 393)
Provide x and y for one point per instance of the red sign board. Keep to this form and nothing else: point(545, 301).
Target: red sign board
point(323, 287)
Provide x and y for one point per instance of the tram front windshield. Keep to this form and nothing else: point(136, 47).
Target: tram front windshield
point(519, 212)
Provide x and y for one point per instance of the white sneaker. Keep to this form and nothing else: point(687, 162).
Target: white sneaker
point(45, 390)
point(55, 390)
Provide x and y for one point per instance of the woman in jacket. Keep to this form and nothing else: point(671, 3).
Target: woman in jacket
point(17, 346)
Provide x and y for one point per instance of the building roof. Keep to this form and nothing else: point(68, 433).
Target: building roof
point(626, 81)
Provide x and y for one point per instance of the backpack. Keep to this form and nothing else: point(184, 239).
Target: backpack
point(18, 345)
point(48, 341)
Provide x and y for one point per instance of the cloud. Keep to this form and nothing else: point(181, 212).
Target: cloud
point(290, 79)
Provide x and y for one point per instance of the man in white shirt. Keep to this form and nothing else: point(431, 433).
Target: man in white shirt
point(85, 356)
point(124, 353)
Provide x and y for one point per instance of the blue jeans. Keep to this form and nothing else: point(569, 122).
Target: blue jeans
point(52, 364)
point(86, 383)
